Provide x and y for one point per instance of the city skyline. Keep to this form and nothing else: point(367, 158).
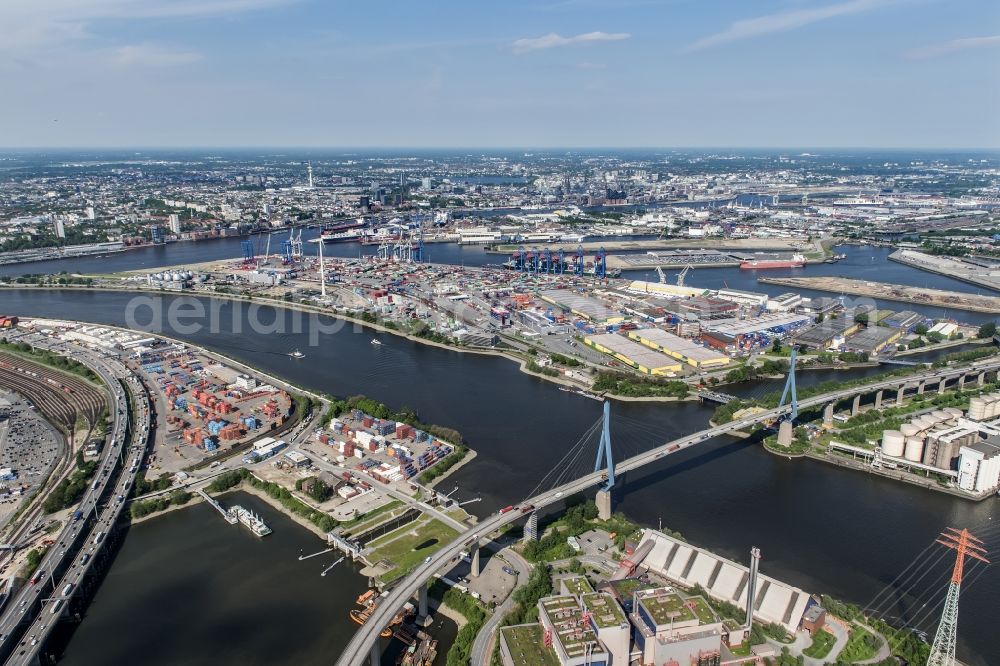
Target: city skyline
point(890, 74)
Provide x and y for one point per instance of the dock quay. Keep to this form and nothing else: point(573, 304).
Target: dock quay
point(231, 519)
point(892, 292)
point(673, 259)
point(971, 270)
point(250, 520)
point(736, 244)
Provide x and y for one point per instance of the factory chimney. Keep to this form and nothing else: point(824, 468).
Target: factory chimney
point(752, 584)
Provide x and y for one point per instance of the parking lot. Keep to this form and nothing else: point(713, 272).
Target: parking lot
point(29, 447)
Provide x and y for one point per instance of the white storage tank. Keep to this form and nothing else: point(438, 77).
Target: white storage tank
point(977, 409)
point(955, 412)
point(914, 449)
point(921, 423)
point(893, 443)
point(909, 430)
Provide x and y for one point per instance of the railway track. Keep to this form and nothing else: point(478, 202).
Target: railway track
point(61, 399)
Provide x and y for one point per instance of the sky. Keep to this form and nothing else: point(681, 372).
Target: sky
point(516, 73)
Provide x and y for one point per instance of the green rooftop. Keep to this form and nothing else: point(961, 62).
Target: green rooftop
point(578, 585)
point(667, 607)
point(604, 610)
point(564, 615)
point(526, 644)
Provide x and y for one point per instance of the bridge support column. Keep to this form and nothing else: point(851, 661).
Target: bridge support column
point(878, 400)
point(828, 416)
point(981, 379)
point(423, 616)
point(855, 406)
point(961, 382)
point(474, 556)
point(604, 504)
point(941, 384)
point(785, 433)
point(900, 391)
point(375, 656)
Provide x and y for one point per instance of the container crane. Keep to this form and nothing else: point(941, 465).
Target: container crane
point(663, 277)
point(682, 275)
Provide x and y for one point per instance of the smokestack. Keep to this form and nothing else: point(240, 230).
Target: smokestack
point(322, 269)
point(752, 584)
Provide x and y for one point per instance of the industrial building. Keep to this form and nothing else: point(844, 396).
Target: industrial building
point(744, 334)
point(831, 333)
point(904, 319)
point(663, 289)
point(567, 630)
point(580, 627)
point(785, 302)
point(979, 466)
point(873, 339)
point(582, 306)
point(724, 580)
point(684, 350)
point(670, 629)
point(706, 309)
point(638, 356)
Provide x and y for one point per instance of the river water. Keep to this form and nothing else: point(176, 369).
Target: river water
point(826, 529)
point(188, 588)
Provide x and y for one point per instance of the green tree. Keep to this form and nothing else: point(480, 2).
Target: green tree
point(987, 330)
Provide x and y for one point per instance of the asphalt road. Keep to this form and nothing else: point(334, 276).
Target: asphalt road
point(360, 647)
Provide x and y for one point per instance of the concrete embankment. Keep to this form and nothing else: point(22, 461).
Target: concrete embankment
point(892, 292)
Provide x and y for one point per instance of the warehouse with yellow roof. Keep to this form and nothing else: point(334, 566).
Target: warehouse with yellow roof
point(640, 357)
point(684, 350)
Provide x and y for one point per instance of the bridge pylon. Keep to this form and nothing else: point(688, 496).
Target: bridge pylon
point(790, 387)
point(604, 457)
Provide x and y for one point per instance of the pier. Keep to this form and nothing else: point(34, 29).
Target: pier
point(892, 292)
point(231, 519)
point(327, 570)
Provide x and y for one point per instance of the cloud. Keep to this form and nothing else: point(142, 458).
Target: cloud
point(147, 54)
point(553, 40)
point(784, 21)
point(31, 23)
point(963, 44)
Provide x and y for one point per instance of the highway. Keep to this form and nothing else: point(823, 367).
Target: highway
point(72, 554)
point(365, 639)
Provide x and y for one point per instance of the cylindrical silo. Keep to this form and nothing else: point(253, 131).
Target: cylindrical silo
point(914, 449)
point(977, 409)
point(893, 443)
point(955, 412)
point(909, 430)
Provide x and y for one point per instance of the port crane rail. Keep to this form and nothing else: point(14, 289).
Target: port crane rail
point(364, 642)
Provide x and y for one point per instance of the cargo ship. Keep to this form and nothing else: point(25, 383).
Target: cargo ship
point(796, 261)
point(250, 520)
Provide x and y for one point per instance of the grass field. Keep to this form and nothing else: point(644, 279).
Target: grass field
point(861, 646)
point(409, 545)
point(822, 644)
